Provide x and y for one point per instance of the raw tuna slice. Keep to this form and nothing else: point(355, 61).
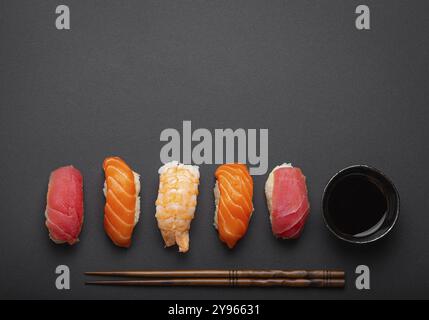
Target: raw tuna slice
point(64, 209)
point(287, 199)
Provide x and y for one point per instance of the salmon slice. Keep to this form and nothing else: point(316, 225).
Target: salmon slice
point(122, 209)
point(287, 198)
point(64, 208)
point(233, 199)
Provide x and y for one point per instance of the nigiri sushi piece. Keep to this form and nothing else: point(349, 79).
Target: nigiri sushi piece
point(64, 208)
point(122, 209)
point(176, 202)
point(233, 199)
point(287, 200)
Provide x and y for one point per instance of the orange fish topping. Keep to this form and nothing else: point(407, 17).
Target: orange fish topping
point(234, 206)
point(121, 193)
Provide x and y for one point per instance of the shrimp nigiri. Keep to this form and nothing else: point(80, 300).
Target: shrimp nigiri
point(233, 199)
point(122, 209)
point(177, 199)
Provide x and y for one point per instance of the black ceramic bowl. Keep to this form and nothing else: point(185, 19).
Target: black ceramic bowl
point(377, 180)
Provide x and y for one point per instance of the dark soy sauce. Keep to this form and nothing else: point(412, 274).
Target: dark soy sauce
point(357, 206)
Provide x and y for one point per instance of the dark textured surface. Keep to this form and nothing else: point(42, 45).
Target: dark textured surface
point(330, 95)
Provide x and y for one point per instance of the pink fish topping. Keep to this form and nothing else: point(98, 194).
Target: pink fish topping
point(290, 206)
point(64, 209)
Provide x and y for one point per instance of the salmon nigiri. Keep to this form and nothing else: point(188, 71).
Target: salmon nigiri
point(233, 198)
point(122, 209)
point(64, 208)
point(177, 199)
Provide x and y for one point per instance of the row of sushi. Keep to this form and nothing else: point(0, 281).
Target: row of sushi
point(285, 189)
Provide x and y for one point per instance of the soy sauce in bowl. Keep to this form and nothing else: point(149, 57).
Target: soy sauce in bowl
point(360, 204)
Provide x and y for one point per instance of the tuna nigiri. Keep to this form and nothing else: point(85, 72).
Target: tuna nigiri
point(233, 199)
point(122, 209)
point(64, 209)
point(287, 199)
point(177, 199)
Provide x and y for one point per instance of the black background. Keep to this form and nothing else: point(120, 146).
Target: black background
point(330, 95)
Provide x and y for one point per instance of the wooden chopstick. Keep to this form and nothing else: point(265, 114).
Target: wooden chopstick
point(227, 274)
point(224, 282)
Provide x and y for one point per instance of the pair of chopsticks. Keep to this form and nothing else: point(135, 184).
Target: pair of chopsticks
point(225, 278)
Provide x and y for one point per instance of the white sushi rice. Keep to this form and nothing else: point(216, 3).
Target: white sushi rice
point(138, 187)
point(269, 186)
point(216, 192)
